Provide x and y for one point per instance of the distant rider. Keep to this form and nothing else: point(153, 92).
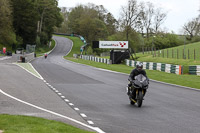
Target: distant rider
point(138, 70)
point(45, 55)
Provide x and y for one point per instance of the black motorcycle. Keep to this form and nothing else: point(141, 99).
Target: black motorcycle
point(138, 90)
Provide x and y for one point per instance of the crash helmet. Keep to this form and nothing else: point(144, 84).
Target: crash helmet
point(139, 66)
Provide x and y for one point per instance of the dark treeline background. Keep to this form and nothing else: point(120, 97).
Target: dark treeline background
point(28, 22)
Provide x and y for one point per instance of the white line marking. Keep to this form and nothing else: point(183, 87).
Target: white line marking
point(59, 94)
point(66, 100)
point(51, 112)
point(77, 109)
point(27, 70)
point(56, 91)
point(49, 85)
point(71, 104)
point(90, 122)
point(36, 71)
point(45, 81)
point(83, 115)
point(63, 97)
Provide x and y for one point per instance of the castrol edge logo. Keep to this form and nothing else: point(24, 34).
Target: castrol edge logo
point(113, 44)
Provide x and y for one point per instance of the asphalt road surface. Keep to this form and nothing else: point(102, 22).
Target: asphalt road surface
point(102, 97)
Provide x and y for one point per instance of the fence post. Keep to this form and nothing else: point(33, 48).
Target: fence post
point(194, 54)
point(172, 53)
point(163, 53)
point(167, 53)
point(188, 54)
point(143, 50)
point(183, 54)
point(177, 53)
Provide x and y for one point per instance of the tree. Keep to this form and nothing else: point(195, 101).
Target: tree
point(192, 28)
point(92, 22)
point(65, 24)
point(111, 24)
point(159, 19)
point(7, 35)
point(25, 20)
point(50, 16)
point(147, 17)
point(130, 15)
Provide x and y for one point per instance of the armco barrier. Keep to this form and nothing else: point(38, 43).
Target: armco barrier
point(96, 59)
point(169, 68)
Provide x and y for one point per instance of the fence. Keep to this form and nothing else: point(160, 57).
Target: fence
point(96, 59)
point(176, 53)
point(169, 68)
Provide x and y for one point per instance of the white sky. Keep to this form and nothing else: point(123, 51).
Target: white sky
point(179, 11)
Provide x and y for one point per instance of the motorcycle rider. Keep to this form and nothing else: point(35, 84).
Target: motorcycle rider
point(45, 55)
point(138, 70)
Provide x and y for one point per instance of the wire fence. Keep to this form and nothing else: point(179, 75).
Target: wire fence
point(175, 53)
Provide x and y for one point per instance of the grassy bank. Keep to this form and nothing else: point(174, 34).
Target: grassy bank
point(175, 55)
point(183, 80)
point(24, 124)
point(150, 58)
point(44, 49)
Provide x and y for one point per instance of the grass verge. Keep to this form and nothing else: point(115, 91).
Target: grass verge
point(25, 124)
point(29, 68)
point(44, 49)
point(150, 58)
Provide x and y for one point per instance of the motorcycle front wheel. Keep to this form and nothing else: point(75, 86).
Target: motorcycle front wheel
point(139, 99)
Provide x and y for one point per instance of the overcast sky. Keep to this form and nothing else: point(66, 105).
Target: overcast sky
point(179, 11)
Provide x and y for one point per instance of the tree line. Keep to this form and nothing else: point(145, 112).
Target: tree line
point(28, 22)
point(140, 23)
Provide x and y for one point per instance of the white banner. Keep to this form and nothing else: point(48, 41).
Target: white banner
point(113, 44)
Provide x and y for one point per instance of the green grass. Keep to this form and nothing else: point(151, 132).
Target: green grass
point(177, 52)
point(44, 49)
point(25, 124)
point(183, 80)
point(150, 58)
point(29, 68)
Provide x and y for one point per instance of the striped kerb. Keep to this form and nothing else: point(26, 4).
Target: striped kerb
point(130, 63)
point(193, 70)
point(173, 69)
point(163, 67)
point(154, 66)
point(147, 65)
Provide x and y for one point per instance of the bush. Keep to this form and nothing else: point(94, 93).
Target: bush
point(185, 69)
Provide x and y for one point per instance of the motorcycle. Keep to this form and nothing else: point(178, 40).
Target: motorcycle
point(45, 56)
point(138, 90)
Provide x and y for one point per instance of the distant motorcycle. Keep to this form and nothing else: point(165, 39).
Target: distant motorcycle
point(45, 55)
point(141, 85)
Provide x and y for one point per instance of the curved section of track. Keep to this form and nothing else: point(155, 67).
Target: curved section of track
point(101, 96)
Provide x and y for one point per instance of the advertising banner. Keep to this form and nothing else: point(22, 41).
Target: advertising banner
point(113, 44)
